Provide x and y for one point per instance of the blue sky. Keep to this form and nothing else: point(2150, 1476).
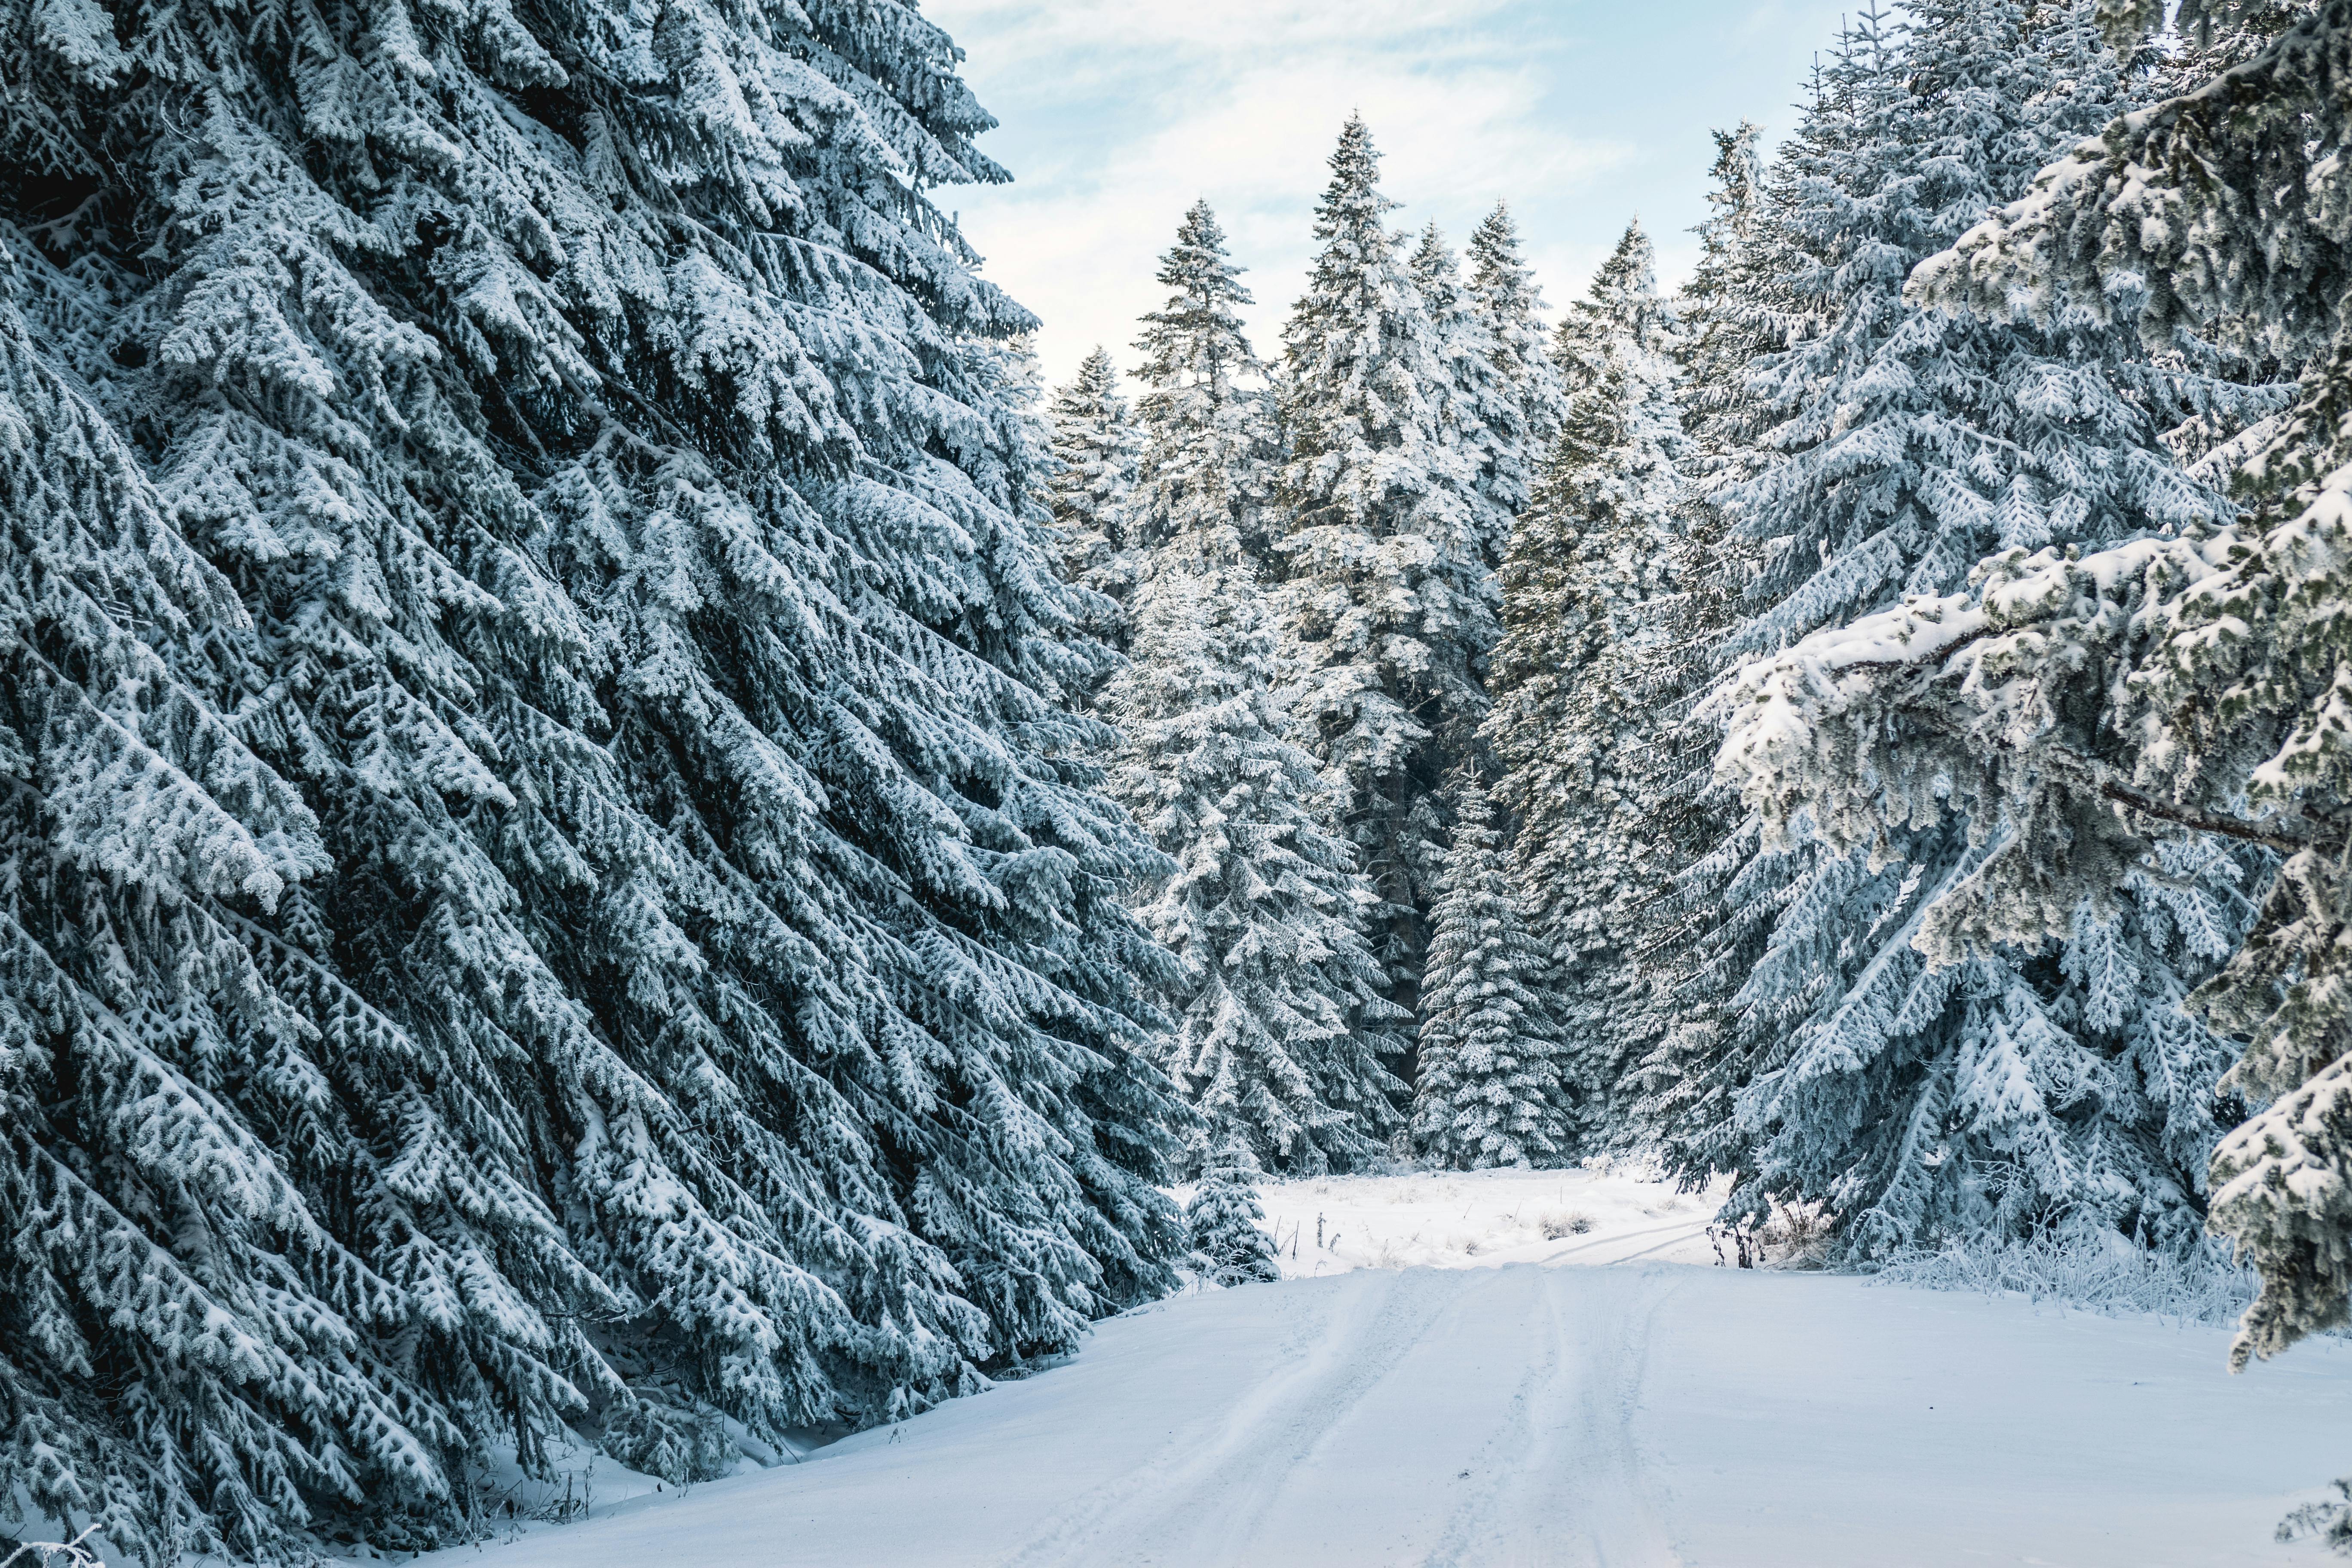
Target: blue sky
point(1117, 113)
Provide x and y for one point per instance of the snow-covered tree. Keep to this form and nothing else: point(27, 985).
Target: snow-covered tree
point(2105, 707)
point(1223, 1220)
point(542, 891)
point(1490, 1090)
point(1387, 599)
point(1576, 723)
point(1207, 435)
point(1726, 307)
point(1686, 954)
point(1473, 395)
point(1094, 448)
point(2035, 1084)
point(1522, 422)
point(1286, 1020)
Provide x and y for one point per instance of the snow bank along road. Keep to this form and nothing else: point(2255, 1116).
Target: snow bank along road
point(1643, 1414)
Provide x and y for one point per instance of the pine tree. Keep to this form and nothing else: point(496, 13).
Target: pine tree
point(542, 892)
point(1285, 1022)
point(1522, 424)
point(1473, 394)
point(2111, 704)
point(1490, 1091)
point(1576, 723)
point(1387, 599)
point(1094, 449)
point(2032, 1086)
point(1222, 1218)
point(1207, 436)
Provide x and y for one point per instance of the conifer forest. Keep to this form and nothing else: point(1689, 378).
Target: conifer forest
point(621, 835)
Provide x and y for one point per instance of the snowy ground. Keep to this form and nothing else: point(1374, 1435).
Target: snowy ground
point(1651, 1413)
point(1479, 1219)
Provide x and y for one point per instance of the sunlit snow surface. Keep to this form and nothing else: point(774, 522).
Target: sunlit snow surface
point(1471, 1219)
point(1495, 1410)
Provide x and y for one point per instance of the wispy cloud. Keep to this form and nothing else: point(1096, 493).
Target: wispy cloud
point(1119, 115)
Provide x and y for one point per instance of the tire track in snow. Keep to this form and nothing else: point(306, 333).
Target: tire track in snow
point(1559, 1477)
point(1220, 1487)
point(1683, 1229)
point(1565, 1479)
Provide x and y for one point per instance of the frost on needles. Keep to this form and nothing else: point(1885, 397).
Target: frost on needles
point(2054, 1081)
point(2118, 707)
point(545, 891)
point(1285, 1027)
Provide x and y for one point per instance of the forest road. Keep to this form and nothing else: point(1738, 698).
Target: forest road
point(1515, 1387)
point(1634, 1415)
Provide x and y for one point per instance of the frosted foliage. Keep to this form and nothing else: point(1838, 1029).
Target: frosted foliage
point(2052, 1077)
point(1284, 1018)
point(1223, 1220)
point(1910, 443)
point(1205, 467)
point(1283, 1025)
point(541, 892)
point(1490, 1091)
point(1094, 449)
point(2203, 678)
point(1387, 599)
point(1522, 422)
point(1730, 306)
point(1578, 724)
point(1472, 399)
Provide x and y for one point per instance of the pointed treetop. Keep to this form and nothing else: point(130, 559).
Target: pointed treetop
point(1501, 283)
point(1196, 264)
point(1631, 269)
point(1623, 298)
point(1435, 272)
point(1098, 378)
point(1353, 199)
point(1738, 174)
point(1197, 336)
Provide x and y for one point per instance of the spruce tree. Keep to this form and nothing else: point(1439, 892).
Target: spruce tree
point(1490, 1091)
point(1688, 949)
point(1093, 450)
point(2032, 1086)
point(1522, 424)
point(1728, 307)
point(1284, 1018)
point(1223, 1219)
point(1386, 599)
point(1206, 431)
point(1577, 724)
point(2113, 704)
point(544, 895)
point(1473, 392)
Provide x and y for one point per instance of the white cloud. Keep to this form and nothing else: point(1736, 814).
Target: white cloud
point(1118, 113)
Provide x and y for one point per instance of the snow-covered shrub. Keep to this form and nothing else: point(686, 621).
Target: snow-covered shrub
point(1224, 1219)
point(74, 1553)
point(1797, 1234)
point(2329, 1521)
point(2080, 1267)
point(1557, 1225)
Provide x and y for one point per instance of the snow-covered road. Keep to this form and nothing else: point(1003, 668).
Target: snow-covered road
point(1644, 1413)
